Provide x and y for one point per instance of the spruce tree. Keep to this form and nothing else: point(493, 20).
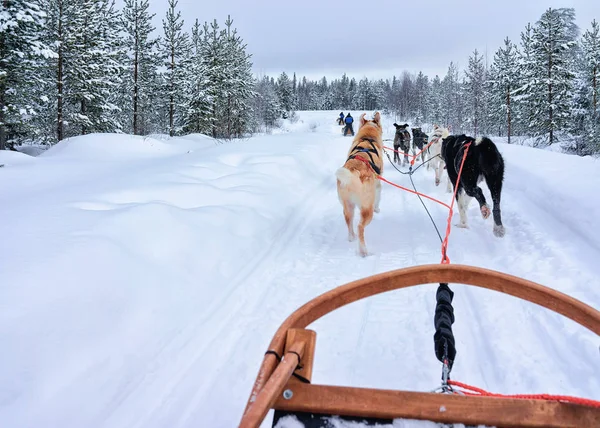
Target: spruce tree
point(504, 80)
point(176, 57)
point(474, 91)
point(553, 43)
point(92, 69)
point(21, 54)
point(285, 92)
point(140, 83)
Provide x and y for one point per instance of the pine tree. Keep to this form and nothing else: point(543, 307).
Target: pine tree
point(435, 102)
point(452, 102)
point(92, 69)
point(585, 111)
point(141, 80)
point(176, 57)
point(524, 94)
point(474, 91)
point(239, 84)
point(285, 92)
point(504, 80)
point(21, 55)
point(214, 63)
point(553, 43)
point(590, 45)
point(197, 105)
point(422, 91)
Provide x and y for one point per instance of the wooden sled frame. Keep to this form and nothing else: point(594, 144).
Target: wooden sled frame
point(277, 388)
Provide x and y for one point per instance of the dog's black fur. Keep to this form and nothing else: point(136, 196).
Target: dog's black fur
point(401, 142)
point(483, 161)
point(419, 140)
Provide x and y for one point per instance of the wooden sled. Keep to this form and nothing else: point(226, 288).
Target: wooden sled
point(282, 385)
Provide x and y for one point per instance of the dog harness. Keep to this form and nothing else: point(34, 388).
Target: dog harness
point(358, 150)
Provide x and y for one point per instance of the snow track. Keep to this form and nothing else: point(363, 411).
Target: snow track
point(170, 268)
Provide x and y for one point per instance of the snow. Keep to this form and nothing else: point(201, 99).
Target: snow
point(141, 279)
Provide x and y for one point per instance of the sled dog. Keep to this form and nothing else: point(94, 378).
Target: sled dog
point(483, 161)
point(357, 182)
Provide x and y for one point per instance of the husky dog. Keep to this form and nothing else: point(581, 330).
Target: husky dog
point(401, 142)
point(357, 182)
point(419, 141)
point(483, 161)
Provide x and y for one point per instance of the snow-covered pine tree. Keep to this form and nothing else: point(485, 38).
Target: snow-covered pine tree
point(586, 112)
point(92, 70)
point(504, 80)
point(57, 34)
point(197, 105)
point(474, 92)
point(524, 107)
point(435, 102)
point(553, 50)
point(176, 56)
point(590, 47)
point(452, 103)
point(21, 60)
point(141, 80)
point(285, 92)
point(239, 84)
point(266, 105)
point(214, 59)
point(406, 92)
point(422, 89)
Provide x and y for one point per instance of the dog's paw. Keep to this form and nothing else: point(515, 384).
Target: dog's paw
point(462, 225)
point(377, 210)
point(499, 230)
point(351, 237)
point(362, 251)
point(485, 211)
point(437, 182)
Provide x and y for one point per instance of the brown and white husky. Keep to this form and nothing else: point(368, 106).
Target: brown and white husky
point(357, 182)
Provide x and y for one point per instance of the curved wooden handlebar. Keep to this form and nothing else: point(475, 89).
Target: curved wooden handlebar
point(426, 274)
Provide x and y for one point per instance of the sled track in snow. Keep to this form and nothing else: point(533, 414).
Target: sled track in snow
point(247, 291)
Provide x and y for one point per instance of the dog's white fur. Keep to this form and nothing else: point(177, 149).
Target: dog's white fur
point(435, 154)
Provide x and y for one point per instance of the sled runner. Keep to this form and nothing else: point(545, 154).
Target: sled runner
point(284, 379)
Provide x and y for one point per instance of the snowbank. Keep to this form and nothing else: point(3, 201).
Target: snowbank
point(10, 158)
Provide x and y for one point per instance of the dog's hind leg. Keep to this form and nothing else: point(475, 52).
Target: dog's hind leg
point(349, 217)
point(495, 186)
point(377, 195)
point(463, 203)
point(448, 184)
point(477, 193)
point(366, 215)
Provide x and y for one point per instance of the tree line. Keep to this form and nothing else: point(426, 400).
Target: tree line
point(74, 67)
point(545, 86)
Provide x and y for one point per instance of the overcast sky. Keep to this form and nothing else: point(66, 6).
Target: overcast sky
point(373, 38)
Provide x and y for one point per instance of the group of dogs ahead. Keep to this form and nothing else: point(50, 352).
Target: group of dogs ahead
point(358, 184)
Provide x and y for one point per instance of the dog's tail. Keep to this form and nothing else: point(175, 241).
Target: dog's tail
point(345, 176)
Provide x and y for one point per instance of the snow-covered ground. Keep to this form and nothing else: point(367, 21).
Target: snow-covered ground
point(141, 279)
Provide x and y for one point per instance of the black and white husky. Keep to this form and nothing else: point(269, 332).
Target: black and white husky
point(483, 161)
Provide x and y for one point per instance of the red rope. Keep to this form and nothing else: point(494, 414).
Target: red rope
point(474, 391)
point(445, 259)
point(412, 191)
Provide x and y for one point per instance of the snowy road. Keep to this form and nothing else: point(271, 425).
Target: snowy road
point(140, 285)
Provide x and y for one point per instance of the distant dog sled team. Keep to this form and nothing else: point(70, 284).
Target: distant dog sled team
point(358, 183)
